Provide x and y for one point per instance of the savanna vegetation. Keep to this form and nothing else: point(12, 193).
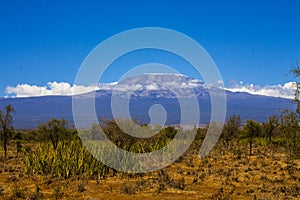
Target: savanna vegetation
point(252, 160)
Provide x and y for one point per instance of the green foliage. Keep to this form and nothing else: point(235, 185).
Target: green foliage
point(280, 141)
point(261, 141)
point(69, 159)
point(32, 135)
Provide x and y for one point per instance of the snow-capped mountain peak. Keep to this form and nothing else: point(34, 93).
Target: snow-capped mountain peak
point(162, 85)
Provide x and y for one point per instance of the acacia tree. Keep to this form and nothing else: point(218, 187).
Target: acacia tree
point(270, 126)
point(57, 130)
point(231, 128)
point(252, 130)
point(6, 120)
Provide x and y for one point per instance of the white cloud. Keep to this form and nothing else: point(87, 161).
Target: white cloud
point(285, 91)
point(52, 88)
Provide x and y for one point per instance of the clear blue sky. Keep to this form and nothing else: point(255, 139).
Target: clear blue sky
point(250, 41)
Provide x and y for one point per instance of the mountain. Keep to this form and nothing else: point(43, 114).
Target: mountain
point(142, 92)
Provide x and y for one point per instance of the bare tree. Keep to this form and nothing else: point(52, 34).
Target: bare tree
point(6, 120)
point(270, 126)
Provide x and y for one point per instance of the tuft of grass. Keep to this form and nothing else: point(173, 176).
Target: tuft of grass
point(81, 187)
point(129, 189)
point(57, 192)
point(37, 195)
point(18, 193)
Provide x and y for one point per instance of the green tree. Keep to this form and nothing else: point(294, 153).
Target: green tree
point(170, 132)
point(252, 130)
point(116, 134)
point(6, 120)
point(271, 126)
point(289, 128)
point(231, 128)
point(58, 130)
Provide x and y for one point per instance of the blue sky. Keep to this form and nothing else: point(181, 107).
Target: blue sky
point(256, 42)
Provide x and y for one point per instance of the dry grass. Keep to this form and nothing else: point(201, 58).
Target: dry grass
point(227, 173)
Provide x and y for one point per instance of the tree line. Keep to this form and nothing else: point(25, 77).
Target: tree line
point(282, 129)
